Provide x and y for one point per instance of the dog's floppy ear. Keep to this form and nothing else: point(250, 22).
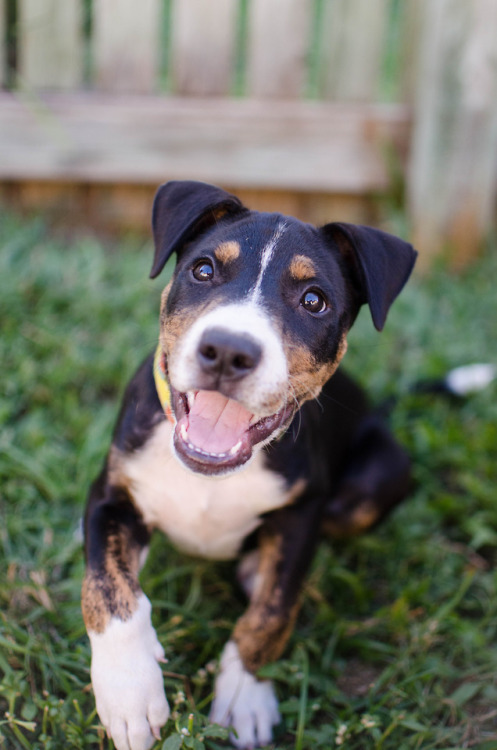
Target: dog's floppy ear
point(181, 210)
point(378, 264)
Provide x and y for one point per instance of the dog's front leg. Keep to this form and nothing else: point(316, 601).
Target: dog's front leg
point(242, 701)
point(126, 676)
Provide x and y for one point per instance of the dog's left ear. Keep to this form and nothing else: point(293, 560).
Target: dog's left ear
point(183, 209)
point(378, 264)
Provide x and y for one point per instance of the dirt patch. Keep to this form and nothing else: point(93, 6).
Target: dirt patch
point(357, 678)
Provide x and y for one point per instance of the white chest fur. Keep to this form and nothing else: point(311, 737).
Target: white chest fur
point(203, 516)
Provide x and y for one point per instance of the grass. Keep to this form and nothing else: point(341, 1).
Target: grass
point(395, 646)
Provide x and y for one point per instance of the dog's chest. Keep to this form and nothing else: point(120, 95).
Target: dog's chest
point(201, 516)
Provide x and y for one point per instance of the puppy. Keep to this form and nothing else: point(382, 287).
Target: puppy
point(237, 435)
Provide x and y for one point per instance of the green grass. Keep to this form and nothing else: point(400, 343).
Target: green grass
point(395, 646)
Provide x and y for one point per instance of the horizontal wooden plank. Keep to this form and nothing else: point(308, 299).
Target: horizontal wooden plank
point(146, 140)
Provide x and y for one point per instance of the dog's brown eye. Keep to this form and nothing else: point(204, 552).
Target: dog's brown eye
point(203, 271)
point(313, 302)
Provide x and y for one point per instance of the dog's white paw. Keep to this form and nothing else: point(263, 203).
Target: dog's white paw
point(127, 680)
point(242, 702)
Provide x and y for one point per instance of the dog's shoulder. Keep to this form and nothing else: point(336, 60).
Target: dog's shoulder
point(140, 412)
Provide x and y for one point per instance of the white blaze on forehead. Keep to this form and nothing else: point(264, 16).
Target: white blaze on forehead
point(266, 256)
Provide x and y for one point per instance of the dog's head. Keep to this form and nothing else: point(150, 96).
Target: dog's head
point(255, 318)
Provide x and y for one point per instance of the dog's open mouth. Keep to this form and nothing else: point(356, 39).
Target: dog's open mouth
point(215, 434)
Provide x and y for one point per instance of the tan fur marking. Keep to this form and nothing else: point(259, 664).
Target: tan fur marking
point(302, 268)
point(113, 591)
point(262, 632)
point(361, 518)
point(116, 474)
point(114, 594)
point(175, 325)
point(164, 296)
point(296, 490)
point(95, 613)
point(219, 213)
point(307, 379)
point(364, 517)
point(227, 252)
point(325, 372)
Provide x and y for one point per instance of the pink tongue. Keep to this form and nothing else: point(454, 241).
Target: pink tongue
point(216, 423)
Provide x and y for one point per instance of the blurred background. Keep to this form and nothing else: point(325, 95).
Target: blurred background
point(373, 111)
point(325, 109)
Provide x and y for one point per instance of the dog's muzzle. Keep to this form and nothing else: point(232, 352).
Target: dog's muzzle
point(214, 432)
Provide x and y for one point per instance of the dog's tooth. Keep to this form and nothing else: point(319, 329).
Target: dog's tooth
point(235, 448)
point(183, 432)
point(190, 397)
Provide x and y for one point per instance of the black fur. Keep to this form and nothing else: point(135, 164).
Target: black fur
point(342, 469)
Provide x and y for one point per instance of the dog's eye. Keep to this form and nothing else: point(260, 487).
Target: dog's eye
point(313, 302)
point(203, 270)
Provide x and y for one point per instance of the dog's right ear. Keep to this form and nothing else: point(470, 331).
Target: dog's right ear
point(181, 211)
point(378, 264)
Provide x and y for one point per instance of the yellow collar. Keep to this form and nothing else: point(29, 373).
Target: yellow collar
point(161, 384)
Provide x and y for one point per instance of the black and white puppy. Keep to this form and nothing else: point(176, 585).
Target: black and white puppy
point(222, 444)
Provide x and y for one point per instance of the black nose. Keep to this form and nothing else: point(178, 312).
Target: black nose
point(227, 355)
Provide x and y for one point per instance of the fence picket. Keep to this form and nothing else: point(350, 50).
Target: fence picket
point(452, 178)
point(126, 45)
point(3, 45)
point(410, 33)
point(443, 67)
point(278, 47)
point(203, 46)
point(50, 43)
point(353, 34)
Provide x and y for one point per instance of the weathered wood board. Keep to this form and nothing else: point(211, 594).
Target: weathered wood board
point(245, 143)
point(203, 46)
point(278, 43)
point(3, 51)
point(452, 174)
point(353, 34)
point(126, 53)
point(50, 44)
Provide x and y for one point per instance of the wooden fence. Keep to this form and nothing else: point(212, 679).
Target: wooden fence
point(314, 107)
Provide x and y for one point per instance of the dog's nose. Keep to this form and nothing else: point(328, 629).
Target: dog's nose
point(227, 354)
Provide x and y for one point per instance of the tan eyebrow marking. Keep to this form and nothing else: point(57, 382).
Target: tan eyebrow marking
point(226, 252)
point(302, 268)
